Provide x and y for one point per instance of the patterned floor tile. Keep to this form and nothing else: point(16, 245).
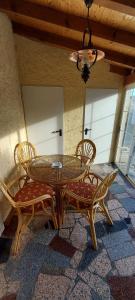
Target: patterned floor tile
point(122, 288)
point(5, 246)
point(60, 245)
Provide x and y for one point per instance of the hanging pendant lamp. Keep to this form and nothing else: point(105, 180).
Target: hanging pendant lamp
point(88, 55)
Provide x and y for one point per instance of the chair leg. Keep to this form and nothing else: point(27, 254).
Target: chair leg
point(55, 221)
point(105, 211)
point(92, 228)
point(16, 242)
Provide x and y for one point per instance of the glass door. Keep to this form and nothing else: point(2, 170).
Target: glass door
point(125, 158)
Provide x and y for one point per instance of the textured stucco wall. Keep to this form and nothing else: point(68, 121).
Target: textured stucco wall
point(43, 64)
point(11, 111)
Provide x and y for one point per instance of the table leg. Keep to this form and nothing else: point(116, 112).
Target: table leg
point(58, 206)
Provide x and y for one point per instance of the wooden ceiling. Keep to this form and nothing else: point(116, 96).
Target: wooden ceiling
point(62, 23)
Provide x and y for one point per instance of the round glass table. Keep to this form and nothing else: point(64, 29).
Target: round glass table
point(56, 170)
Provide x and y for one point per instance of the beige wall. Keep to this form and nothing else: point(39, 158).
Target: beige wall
point(42, 64)
point(11, 111)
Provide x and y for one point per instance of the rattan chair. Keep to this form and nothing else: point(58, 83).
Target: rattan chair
point(23, 153)
point(31, 200)
point(86, 151)
point(87, 198)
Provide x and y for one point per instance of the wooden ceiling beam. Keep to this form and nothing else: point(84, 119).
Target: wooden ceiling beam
point(68, 43)
point(69, 21)
point(123, 6)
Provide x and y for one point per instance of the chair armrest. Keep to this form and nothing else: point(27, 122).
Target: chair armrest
point(33, 201)
point(77, 197)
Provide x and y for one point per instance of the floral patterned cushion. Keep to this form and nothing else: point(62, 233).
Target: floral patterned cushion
point(33, 190)
point(81, 189)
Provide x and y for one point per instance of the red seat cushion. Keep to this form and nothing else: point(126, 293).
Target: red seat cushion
point(34, 190)
point(81, 189)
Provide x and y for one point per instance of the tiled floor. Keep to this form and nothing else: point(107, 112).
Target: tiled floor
point(62, 265)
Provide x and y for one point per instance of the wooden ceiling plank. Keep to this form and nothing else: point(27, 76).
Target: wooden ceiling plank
point(68, 21)
point(119, 70)
point(128, 62)
point(123, 6)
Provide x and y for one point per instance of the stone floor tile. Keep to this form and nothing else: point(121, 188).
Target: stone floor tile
point(74, 262)
point(122, 196)
point(113, 204)
point(117, 226)
point(101, 265)
point(71, 273)
point(54, 262)
point(128, 204)
point(120, 251)
point(80, 291)
point(44, 236)
point(85, 275)
point(122, 212)
point(64, 233)
point(88, 256)
point(79, 237)
point(51, 287)
point(60, 245)
point(99, 228)
point(126, 266)
point(69, 220)
point(117, 189)
point(132, 216)
point(70, 289)
point(116, 238)
point(131, 192)
point(131, 231)
point(99, 286)
point(114, 215)
point(13, 287)
point(122, 288)
point(83, 221)
point(9, 297)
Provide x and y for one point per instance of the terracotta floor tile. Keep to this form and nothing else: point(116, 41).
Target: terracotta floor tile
point(60, 245)
point(122, 288)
